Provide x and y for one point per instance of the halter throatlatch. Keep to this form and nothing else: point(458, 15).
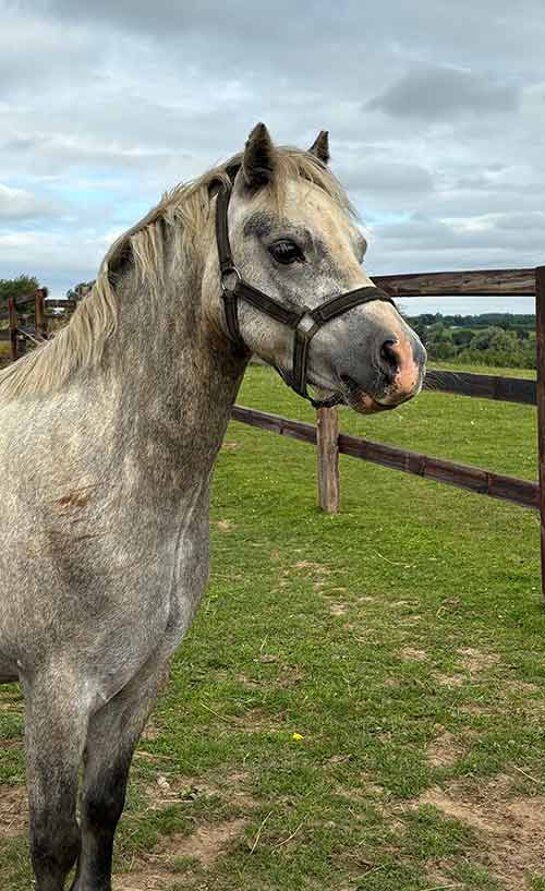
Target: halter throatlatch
point(304, 321)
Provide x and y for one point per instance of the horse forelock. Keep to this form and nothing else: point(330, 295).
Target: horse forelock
point(182, 212)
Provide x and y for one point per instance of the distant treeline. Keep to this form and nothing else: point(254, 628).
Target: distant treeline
point(492, 338)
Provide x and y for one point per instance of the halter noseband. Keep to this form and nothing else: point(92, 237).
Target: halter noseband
point(304, 321)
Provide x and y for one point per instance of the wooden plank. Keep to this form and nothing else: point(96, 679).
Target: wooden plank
point(540, 361)
point(40, 319)
point(68, 305)
point(30, 333)
point(24, 301)
point(328, 460)
point(275, 423)
point(519, 282)
point(483, 386)
point(476, 479)
point(53, 303)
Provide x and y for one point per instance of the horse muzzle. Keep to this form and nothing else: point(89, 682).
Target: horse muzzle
point(394, 375)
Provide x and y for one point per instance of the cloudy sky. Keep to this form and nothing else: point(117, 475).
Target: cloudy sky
point(436, 111)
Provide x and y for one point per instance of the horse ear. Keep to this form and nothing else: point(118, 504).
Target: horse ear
point(320, 147)
point(258, 158)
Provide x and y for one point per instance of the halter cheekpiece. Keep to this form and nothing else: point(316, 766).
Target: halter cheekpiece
point(304, 321)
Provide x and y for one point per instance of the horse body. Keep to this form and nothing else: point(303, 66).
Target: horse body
point(104, 530)
point(108, 437)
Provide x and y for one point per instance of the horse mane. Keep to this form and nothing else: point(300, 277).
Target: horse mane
point(185, 211)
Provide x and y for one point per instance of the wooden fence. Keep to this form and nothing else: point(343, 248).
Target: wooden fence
point(330, 442)
point(20, 334)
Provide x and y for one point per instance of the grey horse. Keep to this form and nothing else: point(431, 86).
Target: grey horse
point(108, 438)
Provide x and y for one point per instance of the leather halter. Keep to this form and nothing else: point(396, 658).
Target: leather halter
point(304, 321)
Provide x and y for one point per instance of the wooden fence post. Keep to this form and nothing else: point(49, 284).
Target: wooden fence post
point(40, 320)
point(540, 361)
point(12, 311)
point(328, 460)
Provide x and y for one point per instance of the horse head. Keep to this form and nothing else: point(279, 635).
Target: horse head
point(289, 249)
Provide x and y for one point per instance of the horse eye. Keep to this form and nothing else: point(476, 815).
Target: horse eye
point(286, 252)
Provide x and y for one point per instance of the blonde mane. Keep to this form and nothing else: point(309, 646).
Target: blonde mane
point(184, 210)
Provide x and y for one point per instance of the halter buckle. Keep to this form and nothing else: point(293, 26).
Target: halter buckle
point(227, 274)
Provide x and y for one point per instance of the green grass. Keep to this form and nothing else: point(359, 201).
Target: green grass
point(401, 642)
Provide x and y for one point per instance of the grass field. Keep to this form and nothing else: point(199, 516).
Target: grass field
point(360, 705)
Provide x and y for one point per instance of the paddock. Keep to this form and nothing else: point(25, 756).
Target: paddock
point(377, 724)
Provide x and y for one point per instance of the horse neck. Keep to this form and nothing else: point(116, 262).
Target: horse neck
point(176, 378)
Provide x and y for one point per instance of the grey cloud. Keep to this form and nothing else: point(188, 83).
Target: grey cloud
point(384, 177)
point(525, 222)
point(18, 205)
point(432, 234)
point(439, 93)
point(106, 104)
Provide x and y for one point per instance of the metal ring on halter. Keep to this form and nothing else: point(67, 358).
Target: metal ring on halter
point(225, 273)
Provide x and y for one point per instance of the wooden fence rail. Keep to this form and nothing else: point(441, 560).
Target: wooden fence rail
point(473, 283)
point(36, 304)
point(484, 386)
point(476, 479)
point(330, 442)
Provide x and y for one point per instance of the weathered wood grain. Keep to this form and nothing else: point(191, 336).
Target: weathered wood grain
point(483, 386)
point(540, 361)
point(519, 282)
point(476, 479)
point(327, 429)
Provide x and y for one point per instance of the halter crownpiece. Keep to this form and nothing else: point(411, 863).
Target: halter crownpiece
point(304, 321)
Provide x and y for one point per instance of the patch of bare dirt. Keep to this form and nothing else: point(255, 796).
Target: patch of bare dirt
point(409, 620)
point(205, 846)
point(150, 731)
point(446, 749)
point(13, 810)
point(318, 572)
point(475, 708)
point(289, 675)
point(410, 654)
point(9, 706)
point(224, 525)
point(511, 827)
point(338, 609)
point(231, 787)
point(10, 744)
point(475, 661)
point(449, 680)
point(267, 658)
point(230, 445)
point(142, 880)
point(248, 682)
point(207, 842)
point(314, 568)
point(258, 720)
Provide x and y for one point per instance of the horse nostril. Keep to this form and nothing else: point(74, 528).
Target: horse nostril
point(389, 358)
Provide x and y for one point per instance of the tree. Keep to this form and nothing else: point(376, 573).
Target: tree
point(78, 292)
point(440, 344)
point(17, 287)
point(463, 336)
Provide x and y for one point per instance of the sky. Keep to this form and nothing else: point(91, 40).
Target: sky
point(436, 113)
